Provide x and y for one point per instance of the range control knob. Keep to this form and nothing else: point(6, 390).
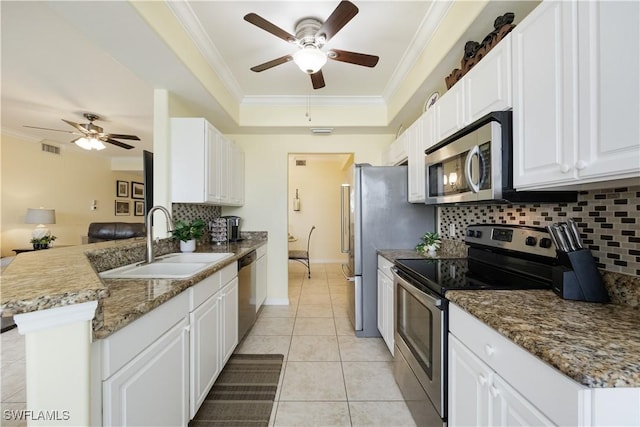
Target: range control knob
point(478, 233)
point(470, 233)
point(530, 241)
point(545, 242)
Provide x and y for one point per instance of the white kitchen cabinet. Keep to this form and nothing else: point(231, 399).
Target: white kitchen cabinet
point(480, 397)
point(205, 166)
point(385, 302)
point(488, 85)
point(152, 388)
point(229, 316)
point(261, 276)
point(422, 137)
point(397, 152)
point(449, 110)
point(575, 65)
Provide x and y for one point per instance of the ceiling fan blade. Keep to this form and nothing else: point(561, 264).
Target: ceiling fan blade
point(118, 143)
point(317, 79)
point(338, 19)
point(353, 57)
point(272, 63)
point(76, 125)
point(55, 130)
point(260, 22)
point(121, 136)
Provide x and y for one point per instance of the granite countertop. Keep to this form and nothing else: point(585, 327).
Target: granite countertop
point(449, 249)
point(60, 277)
point(598, 345)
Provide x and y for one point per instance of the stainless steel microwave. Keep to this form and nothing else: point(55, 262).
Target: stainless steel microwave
point(475, 165)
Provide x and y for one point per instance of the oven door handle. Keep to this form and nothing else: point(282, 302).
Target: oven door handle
point(475, 151)
point(428, 298)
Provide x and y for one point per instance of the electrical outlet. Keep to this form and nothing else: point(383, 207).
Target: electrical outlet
point(452, 230)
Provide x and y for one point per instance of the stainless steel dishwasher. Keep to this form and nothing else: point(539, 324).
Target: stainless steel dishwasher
point(246, 293)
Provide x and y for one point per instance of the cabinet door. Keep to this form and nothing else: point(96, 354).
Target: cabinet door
point(380, 306)
point(205, 350)
point(224, 168)
point(468, 382)
point(544, 109)
point(510, 408)
point(488, 85)
point(189, 159)
point(152, 389)
point(229, 321)
point(450, 111)
point(213, 159)
point(261, 281)
point(415, 166)
point(389, 313)
point(609, 89)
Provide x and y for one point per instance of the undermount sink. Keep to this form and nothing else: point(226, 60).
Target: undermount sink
point(170, 266)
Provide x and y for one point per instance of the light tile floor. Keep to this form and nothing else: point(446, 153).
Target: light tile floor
point(329, 378)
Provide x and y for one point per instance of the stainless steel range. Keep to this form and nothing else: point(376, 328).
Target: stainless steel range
point(499, 257)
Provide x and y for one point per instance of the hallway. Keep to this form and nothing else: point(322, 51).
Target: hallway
point(329, 377)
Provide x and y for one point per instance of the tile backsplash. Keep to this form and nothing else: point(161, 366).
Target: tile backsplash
point(608, 221)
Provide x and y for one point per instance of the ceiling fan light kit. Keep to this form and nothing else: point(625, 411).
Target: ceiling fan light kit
point(90, 144)
point(311, 35)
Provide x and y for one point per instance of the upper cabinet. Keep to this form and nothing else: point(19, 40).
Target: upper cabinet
point(420, 137)
point(205, 166)
point(576, 83)
point(396, 153)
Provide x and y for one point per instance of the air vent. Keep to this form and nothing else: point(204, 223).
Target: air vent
point(53, 149)
point(301, 163)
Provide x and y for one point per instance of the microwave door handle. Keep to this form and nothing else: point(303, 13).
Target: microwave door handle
point(475, 151)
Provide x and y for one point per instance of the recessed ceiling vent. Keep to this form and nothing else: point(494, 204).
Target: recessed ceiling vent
point(53, 149)
point(301, 163)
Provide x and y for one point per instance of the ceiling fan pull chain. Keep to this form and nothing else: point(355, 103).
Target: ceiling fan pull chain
point(308, 113)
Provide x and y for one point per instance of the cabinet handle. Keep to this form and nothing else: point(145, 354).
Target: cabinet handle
point(489, 350)
point(187, 328)
point(494, 391)
point(565, 168)
point(482, 379)
point(581, 164)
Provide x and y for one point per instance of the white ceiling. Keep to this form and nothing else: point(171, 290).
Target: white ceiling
point(61, 59)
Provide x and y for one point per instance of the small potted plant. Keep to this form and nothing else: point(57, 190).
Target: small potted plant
point(42, 242)
point(430, 243)
point(187, 233)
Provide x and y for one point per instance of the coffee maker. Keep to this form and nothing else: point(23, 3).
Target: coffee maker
point(233, 228)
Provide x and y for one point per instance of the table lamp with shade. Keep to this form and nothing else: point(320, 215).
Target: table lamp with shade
point(42, 217)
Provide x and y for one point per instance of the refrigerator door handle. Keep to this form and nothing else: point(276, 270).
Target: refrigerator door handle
point(345, 232)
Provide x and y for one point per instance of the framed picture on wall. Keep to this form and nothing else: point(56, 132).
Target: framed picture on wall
point(138, 208)
point(122, 189)
point(122, 207)
point(137, 190)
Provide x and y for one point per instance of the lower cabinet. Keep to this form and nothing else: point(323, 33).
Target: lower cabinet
point(229, 319)
point(478, 396)
point(261, 276)
point(385, 302)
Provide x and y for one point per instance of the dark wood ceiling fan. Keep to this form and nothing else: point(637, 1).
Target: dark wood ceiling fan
point(311, 35)
point(91, 131)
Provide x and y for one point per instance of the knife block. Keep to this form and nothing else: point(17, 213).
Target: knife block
point(578, 278)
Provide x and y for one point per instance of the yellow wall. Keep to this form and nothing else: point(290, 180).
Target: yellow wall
point(266, 188)
point(318, 183)
point(31, 178)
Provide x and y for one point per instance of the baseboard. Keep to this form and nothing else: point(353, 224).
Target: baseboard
point(276, 301)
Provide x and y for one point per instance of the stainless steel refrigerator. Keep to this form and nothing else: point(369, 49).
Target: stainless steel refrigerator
point(376, 215)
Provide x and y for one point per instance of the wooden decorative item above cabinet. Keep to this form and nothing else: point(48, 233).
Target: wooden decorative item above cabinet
point(474, 51)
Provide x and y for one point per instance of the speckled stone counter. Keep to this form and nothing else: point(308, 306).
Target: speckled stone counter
point(59, 277)
point(449, 249)
point(597, 345)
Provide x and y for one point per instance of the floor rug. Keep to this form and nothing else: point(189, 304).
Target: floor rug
point(243, 394)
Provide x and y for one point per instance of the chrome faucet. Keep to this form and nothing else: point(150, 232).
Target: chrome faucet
point(150, 256)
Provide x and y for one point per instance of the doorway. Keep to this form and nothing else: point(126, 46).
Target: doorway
point(314, 181)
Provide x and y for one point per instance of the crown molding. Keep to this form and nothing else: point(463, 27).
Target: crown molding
point(427, 29)
point(315, 100)
point(192, 25)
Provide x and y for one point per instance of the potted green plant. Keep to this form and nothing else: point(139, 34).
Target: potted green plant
point(42, 242)
point(430, 243)
point(187, 233)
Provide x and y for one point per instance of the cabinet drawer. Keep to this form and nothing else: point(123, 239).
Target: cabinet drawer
point(385, 265)
point(261, 251)
point(228, 273)
point(561, 399)
point(204, 289)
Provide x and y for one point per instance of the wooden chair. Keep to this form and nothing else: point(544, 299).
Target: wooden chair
point(303, 256)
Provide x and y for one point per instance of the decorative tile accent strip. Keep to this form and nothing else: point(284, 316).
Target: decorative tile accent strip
point(608, 220)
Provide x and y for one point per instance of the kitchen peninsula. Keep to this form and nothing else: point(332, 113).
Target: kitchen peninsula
point(63, 308)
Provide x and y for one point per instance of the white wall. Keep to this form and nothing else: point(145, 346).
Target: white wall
point(266, 194)
point(318, 184)
point(32, 178)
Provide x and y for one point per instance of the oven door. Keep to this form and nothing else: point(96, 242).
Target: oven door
point(467, 168)
point(420, 329)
